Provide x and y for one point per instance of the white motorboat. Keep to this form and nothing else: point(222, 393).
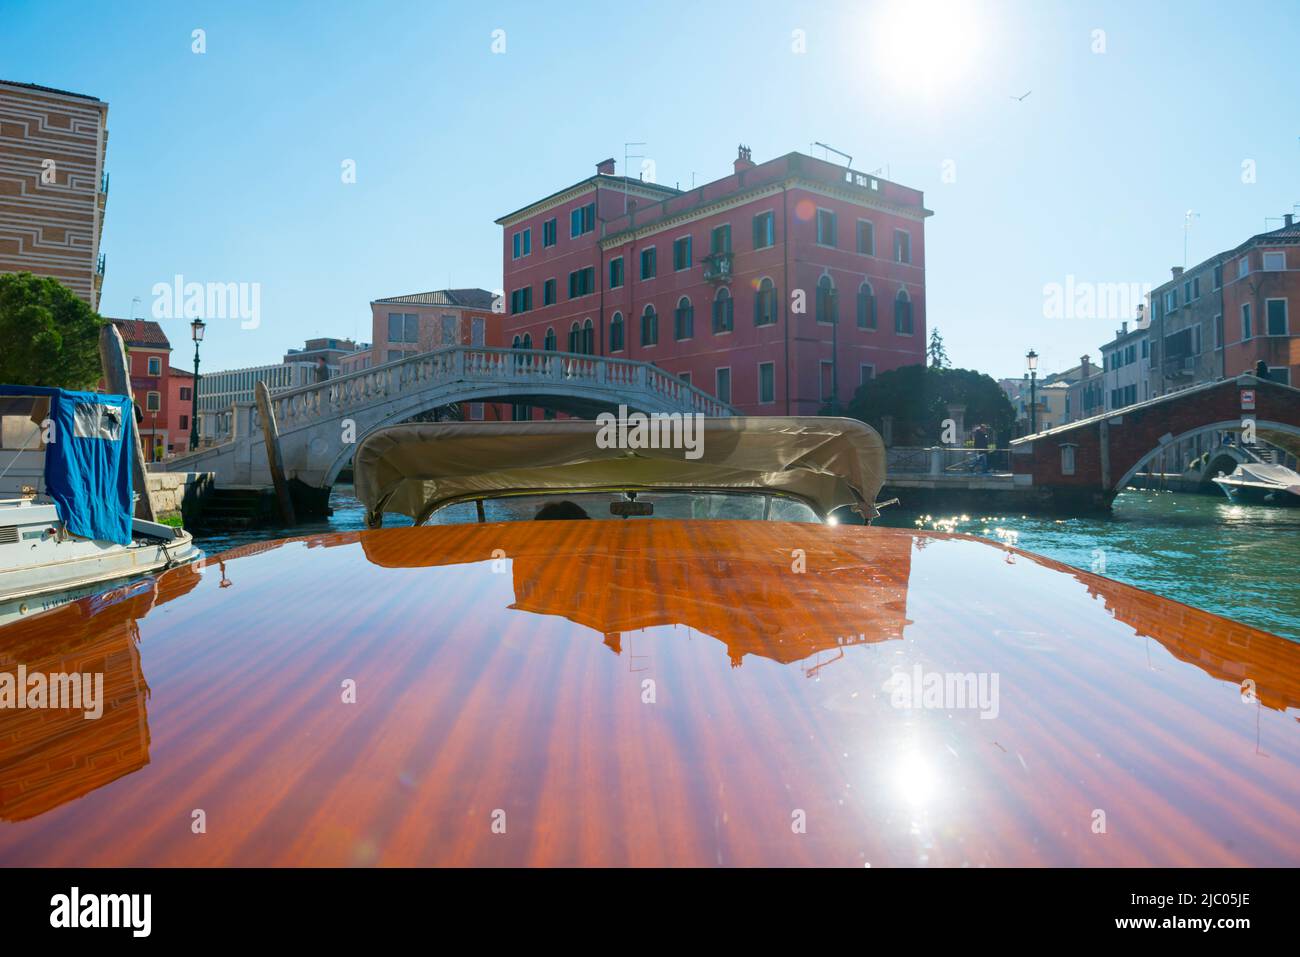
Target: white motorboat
point(66, 528)
point(1261, 483)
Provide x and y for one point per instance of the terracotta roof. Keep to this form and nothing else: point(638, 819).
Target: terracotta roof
point(463, 298)
point(181, 372)
point(142, 333)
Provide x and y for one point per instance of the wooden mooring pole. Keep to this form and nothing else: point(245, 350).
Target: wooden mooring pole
point(117, 379)
point(273, 459)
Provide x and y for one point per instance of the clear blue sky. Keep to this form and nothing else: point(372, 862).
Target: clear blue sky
point(226, 166)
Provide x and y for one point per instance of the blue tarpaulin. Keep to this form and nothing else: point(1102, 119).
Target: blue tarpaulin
point(88, 460)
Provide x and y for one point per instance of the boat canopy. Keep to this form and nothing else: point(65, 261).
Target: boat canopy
point(88, 442)
point(1265, 475)
point(414, 469)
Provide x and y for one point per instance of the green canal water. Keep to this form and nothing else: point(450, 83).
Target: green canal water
point(1239, 561)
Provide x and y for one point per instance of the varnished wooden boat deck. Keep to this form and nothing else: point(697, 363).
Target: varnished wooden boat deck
point(503, 668)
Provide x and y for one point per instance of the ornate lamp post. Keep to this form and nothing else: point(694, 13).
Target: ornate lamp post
point(1031, 360)
point(196, 331)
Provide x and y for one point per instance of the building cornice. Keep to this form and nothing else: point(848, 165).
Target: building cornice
point(586, 186)
point(752, 194)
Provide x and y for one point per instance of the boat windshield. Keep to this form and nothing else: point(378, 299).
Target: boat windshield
point(559, 506)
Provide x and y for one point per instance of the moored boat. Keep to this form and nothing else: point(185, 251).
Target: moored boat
point(66, 528)
point(1261, 483)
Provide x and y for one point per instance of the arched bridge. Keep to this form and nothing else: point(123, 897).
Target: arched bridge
point(1083, 465)
point(320, 424)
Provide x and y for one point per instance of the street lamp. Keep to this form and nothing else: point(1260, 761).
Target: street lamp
point(196, 331)
point(1031, 360)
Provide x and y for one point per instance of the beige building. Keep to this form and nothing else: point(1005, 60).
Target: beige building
point(53, 186)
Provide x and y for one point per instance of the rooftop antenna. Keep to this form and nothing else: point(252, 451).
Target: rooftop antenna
point(628, 156)
point(831, 149)
point(1188, 218)
point(135, 301)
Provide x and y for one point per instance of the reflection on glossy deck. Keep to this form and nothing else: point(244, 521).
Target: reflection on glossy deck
point(653, 693)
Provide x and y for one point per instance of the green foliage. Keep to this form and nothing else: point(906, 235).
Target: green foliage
point(937, 353)
point(48, 336)
point(918, 396)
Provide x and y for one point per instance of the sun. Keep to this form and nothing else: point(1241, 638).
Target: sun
point(927, 46)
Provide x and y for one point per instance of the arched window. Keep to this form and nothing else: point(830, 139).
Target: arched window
point(528, 340)
point(649, 327)
point(515, 343)
point(575, 337)
point(827, 301)
point(684, 319)
point(902, 313)
point(866, 306)
point(549, 343)
point(616, 333)
point(588, 338)
point(765, 303)
point(723, 304)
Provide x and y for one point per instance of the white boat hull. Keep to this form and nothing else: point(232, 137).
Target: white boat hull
point(41, 566)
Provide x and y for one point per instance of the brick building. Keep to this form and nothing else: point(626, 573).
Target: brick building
point(423, 321)
point(148, 352)
point(53, 187)
point(1223, 316)
point(778, 288)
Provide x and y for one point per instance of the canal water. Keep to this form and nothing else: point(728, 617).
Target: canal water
point(1239, 561)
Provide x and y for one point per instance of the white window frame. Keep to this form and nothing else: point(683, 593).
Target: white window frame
point(730, 390)
point(759, 384)
point(153, 401)
point(154, 362)
point(1275, 252)
point(835, 228)
point(1286, 316)
point(640, 263)
point(691, 250)
point(863, 380)
point(908, 234)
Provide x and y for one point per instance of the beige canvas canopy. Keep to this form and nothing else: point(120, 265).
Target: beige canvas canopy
point(417, 468)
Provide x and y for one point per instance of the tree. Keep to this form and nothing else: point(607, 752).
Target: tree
point(917, 398)
point(938, 355)
point(50, 337)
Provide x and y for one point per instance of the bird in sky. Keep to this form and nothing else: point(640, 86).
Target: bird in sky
point(1021, 99)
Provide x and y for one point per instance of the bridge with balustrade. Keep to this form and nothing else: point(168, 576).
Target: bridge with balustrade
point(315, 422)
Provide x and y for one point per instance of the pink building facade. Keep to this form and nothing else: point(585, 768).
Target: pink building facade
point(779, 288)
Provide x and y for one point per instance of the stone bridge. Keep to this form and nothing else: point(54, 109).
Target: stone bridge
point(317, 421)
point(1081, 466)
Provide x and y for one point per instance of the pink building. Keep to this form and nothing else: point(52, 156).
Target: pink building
point(423, 321)
point(779, 288)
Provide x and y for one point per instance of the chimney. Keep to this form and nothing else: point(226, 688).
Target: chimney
point(1176, 270)
point(743, 160)
point(1123, 327)
point(606, 167)
point(1085, 367)
point(1289, 219)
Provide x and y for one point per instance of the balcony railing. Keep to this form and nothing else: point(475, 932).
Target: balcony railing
point(717, 267)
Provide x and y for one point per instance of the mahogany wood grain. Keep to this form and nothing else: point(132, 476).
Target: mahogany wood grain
point(649, 693)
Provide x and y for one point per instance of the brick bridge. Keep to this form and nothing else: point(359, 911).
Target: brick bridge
point(1083, 465)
